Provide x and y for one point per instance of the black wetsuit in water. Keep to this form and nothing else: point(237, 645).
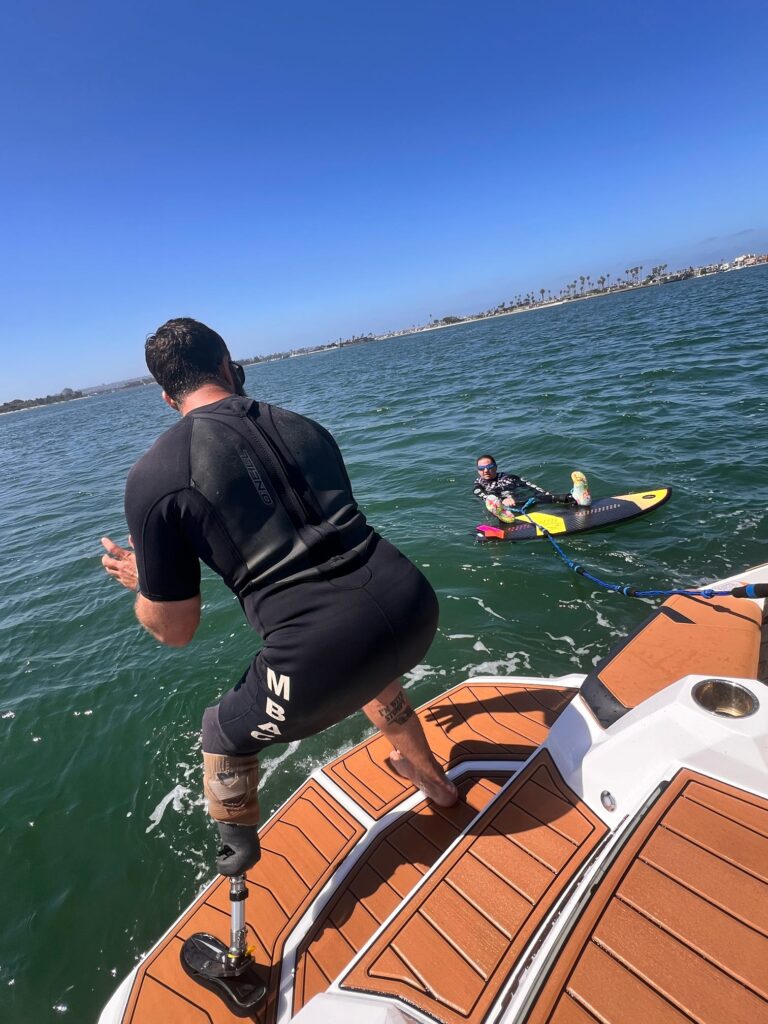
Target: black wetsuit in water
point(262, 496)
point(510, 485)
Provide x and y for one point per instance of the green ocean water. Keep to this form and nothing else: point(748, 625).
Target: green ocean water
point(102, 828)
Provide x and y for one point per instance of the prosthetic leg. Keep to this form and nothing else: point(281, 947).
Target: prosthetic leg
point(230, 971)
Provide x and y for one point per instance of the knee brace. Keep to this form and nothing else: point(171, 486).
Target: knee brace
point(231, 788)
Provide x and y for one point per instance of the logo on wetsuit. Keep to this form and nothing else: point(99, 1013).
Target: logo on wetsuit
point(281, 687)
point(255, 476)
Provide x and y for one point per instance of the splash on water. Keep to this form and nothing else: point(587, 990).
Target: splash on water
point(176, 798)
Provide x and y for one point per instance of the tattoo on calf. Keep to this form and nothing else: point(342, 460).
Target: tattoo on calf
point(398, 711)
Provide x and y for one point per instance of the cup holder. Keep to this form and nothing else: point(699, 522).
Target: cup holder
point(721, 697)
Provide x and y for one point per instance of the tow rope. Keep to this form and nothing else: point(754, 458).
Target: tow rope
point(752, 590)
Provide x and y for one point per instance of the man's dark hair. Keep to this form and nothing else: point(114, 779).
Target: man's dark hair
point(481, 457)
point(184, 354)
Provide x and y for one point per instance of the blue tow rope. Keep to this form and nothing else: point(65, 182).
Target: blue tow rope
point(749, 590)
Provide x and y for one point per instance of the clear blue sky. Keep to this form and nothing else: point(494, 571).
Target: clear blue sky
point(296, 172)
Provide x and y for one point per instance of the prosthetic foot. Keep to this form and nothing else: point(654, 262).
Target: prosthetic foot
point(580, 490)
point(229, 971)
point(497, 508)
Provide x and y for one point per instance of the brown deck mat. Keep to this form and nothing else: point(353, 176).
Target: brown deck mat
point(474, 721)
point(678, 929)
point(301, 847)
point(393, 864)
point(685, 636)
point(312, 834)
point(452, 947)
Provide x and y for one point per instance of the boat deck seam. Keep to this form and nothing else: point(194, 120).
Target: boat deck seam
point(701, 954)
point(695, 892)
point(714, 853)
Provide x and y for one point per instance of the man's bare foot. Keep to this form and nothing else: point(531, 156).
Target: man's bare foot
point(440, 791)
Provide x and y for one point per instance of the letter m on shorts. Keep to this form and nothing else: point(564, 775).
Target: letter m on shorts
point(280, 687)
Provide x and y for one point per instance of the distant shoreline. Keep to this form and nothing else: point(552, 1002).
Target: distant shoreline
point(549, 303)
point(526, 306)
point(32, 403)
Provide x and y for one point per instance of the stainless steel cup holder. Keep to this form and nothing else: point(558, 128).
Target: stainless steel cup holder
point(721, 697)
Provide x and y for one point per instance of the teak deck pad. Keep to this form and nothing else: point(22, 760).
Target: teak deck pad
point(478, 722)
point(307, 841)
point(385, 876)
point(685, 636)
point(301, 848)
point(451, 948)
point(678, 929)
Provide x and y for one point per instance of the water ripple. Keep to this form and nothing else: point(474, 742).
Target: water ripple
point(99, 723)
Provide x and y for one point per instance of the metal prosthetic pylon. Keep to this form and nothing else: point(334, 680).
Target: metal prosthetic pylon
point(229, 971)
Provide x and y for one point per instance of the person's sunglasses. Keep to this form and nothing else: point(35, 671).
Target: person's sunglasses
point(483, 469)
point(239, 372)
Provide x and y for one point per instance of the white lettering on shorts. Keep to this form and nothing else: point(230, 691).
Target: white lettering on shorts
point(281, 686)
point(274, 710)
point(270, 727)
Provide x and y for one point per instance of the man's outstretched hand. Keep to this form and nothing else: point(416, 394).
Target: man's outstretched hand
point(120, 563)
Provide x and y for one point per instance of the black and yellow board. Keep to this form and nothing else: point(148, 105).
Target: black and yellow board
point(602, 512)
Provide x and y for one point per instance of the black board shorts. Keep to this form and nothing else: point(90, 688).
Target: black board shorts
point(330, 646)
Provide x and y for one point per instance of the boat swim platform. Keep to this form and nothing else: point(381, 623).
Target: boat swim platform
point(314, 898)
point(676, 932)
point(366, 889)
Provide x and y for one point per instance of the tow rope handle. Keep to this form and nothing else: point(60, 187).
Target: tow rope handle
point(751, 590)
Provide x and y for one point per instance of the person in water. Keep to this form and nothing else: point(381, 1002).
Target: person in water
point(262, 496)
point(507, 490)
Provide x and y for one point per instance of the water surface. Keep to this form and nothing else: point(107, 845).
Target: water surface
point(101, 817)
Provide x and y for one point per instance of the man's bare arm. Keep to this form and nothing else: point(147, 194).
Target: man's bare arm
point(171, 622)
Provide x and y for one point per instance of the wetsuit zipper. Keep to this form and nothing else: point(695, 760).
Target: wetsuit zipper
point(297, 510)
point(310, 514)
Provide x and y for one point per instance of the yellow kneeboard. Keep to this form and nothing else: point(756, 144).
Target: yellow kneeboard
point(602, 512)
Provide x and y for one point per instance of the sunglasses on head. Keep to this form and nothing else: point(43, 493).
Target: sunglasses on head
point(488, 465)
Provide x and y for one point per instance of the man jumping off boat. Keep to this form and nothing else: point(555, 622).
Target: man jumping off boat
point(262, 496)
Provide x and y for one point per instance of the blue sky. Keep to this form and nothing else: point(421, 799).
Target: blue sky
point(299, 172)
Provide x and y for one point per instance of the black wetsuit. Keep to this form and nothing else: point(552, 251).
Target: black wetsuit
point(509, 485)
point(262, 496)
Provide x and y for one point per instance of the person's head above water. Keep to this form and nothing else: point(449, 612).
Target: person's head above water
point(184, 355)
point(486, 467)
